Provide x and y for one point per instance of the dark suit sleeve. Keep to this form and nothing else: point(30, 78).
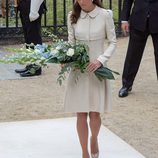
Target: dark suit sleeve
point(127, 5)
point(43, 8)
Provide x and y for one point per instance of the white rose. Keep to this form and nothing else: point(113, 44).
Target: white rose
point(36, 50)
point(58, 48)
point(29, 50)
point(42, 58)
point(70, 52)
point(54, 51)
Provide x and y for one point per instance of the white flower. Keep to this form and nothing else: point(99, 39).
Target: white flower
point(42, 58)
point(54, 51)
point(58, 48)
point(70, 52)
point(29, 50)
point(36, 50)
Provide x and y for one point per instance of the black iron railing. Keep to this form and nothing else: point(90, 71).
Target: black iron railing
point(55, 18)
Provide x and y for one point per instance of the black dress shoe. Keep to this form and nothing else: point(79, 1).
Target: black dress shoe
point(31, 72)
point(20, 70)
point(123, 92)
point(25, 69)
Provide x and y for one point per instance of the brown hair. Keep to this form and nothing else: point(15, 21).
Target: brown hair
point(77, 10)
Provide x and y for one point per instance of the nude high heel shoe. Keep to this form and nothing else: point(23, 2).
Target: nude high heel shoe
point(96, 155)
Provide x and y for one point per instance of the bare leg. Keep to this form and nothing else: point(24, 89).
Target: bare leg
point(95, 123)
point(82, 129)
point(3, 8)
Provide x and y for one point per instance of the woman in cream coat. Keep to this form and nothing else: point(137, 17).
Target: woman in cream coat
point(89, 23)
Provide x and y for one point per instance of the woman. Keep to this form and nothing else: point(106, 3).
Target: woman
point(89, 23)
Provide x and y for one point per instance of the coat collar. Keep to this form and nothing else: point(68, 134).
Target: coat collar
point(91, 14)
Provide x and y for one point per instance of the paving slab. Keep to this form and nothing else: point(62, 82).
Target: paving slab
point(56, 138)
point(7, 71)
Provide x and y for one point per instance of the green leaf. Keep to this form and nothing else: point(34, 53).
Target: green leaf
point(104, 73)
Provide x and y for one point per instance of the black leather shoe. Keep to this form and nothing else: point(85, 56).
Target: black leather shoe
point(31, 72)
point(20, 70)
point(123, 92)
point(25, 69)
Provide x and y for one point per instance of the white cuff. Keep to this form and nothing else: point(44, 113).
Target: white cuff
point(33, 16)
point(102, 59)
point(124, 22)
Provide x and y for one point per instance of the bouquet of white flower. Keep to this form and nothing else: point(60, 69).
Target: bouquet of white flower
point(74, 57)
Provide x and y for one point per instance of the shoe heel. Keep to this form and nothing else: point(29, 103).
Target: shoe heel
point(130, 89)
point(96, 155)
point(38, 72)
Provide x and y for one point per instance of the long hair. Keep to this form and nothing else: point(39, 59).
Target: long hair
point(77, 10)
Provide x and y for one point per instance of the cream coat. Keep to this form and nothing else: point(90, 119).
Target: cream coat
point(88, 93)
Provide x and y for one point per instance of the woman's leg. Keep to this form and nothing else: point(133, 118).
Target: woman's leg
point(95, 123)
point(82, 129)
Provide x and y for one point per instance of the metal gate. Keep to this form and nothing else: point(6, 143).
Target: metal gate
point(55, 17)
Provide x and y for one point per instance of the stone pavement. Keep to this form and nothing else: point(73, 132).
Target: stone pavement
point(56, 138)
point(7, 70)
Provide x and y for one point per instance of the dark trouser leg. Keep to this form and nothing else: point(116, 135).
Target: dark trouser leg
point(135, 50)
point(24, 27)
point(34, 35)
point(155, 43)
point(34, 32)
point(24, 9)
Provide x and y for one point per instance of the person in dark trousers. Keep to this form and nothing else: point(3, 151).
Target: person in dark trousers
point(32, 33)
point(143, 22)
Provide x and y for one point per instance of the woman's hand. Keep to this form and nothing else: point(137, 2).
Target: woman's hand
point(93, 66)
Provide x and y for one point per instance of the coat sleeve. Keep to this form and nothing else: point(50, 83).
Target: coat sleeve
point(125, 14)
point(111, 37)
point(71, 33)
point(34, 8)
